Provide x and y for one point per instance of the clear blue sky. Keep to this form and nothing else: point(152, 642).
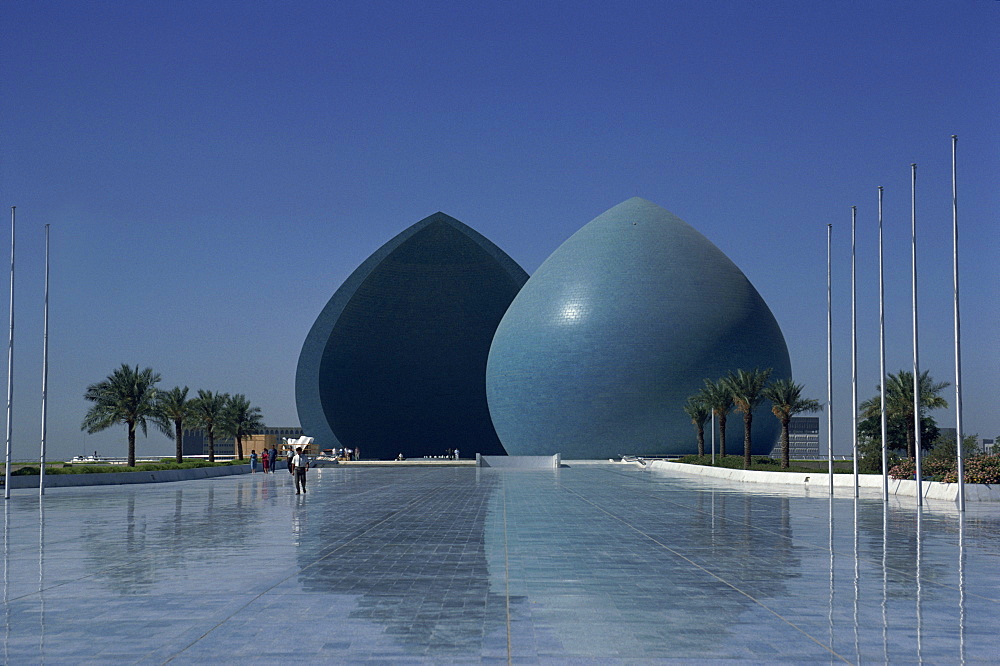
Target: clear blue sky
point(212, 172)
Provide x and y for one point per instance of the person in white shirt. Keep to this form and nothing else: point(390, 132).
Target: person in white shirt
point(300, 463)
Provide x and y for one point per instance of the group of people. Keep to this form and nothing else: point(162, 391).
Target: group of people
point(268, 459)
point(348, 454)
point(298, 463)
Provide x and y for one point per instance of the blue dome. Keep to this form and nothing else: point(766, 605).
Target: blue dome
point(396, 361)
point(605, 342)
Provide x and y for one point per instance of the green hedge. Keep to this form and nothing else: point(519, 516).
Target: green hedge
point(757, 464)
point(102, 469)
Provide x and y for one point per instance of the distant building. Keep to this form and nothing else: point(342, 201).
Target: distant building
point(803, 439)
point(985, 444)
point(195, 443)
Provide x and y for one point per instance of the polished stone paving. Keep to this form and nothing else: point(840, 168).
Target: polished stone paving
point(585, 564)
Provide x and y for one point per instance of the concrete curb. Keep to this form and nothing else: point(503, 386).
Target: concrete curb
point(520, 462)
point(974, 492)
point(416, 462)
point(119, 478)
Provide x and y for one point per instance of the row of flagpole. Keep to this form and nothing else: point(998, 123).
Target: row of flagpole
point(916, 355)
point(10, 364)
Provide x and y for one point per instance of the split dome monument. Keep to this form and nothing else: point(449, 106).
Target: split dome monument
point(440, 340)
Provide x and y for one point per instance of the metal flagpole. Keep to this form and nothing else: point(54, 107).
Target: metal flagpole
point(881, 358)
point(854, 346)
point(713, 437)
point(10, 360)
point(45, 366)
point(829, 361)
point(916, 354)
point(958, 343)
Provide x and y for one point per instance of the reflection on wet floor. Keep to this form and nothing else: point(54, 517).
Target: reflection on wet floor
point(588, 562)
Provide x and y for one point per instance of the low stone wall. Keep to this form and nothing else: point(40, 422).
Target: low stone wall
point(118, 478)
point(974, 492)
point(520, 462)
point(415, 462)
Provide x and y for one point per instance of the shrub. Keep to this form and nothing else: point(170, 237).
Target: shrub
point(978, 469)
point(904, 469)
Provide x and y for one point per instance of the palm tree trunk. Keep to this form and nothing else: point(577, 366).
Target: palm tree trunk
point(747, 419)
point(784, 443)
point(131, 444)
point(722, 435)
point(179, 441)
point(211, 445)
point(239, 447)
point(911, 441)
point(701, 439)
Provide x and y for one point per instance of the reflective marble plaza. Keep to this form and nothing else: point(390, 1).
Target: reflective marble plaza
point(588, 563)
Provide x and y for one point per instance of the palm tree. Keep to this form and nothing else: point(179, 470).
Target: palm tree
point(699, 412)
point(127, 396)
point(173, 410)
point(720, 400)
point(899, 403)
point(207, 414)
point(239, 420)
point(747, 391)
point(787, 401)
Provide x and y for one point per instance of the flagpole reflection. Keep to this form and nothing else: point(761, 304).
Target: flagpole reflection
point(885, 581)
point(920, 588)
point(857, 585)
point(41, 581)
point(830, 540)
point(961, 587)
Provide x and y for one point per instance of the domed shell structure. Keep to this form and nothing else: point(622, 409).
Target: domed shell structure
point(396, 361)
point(618, 327)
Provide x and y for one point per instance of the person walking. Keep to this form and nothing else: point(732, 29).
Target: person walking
point(291, 467)
point(301, 464)
point(253, 461)
point(265, 459)
point(274, 459)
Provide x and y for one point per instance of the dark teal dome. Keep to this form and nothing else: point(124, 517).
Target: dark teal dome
point(396, 361)
point(605, 342)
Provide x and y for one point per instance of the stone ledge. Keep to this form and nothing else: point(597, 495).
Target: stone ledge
point(119, 478)
point(416, 462)
point(520, 462)
point(974, 492)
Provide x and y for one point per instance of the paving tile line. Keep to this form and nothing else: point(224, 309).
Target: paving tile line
point(706, 571)
point(357, 534)
point(808, 544)
point(506, 566)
